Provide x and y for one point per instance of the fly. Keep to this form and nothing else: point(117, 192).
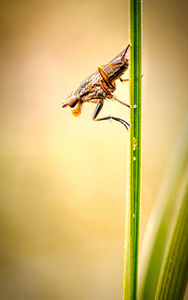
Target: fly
point(100, 86)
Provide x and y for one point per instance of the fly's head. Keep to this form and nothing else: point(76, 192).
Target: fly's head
point(75, 104)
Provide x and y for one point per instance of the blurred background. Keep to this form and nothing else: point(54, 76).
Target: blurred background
point(63, 179)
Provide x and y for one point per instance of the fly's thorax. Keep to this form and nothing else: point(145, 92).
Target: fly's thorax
point(92, 91)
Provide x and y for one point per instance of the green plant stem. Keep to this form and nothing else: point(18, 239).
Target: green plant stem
point(174, 273)
point(134, 154)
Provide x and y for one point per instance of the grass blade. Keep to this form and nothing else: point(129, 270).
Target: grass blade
point(174, 273)
point(157, 231)
point(134, 155)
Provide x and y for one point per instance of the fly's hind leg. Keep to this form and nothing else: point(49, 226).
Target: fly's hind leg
point(104, 76)
point(122, 80)
point(110, 84)
point(128, 105)
point(97, 111)
point(110, 95)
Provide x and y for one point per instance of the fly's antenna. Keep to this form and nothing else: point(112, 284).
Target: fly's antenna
point(64, 104)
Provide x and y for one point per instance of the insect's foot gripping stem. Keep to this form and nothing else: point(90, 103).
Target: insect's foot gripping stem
point(125, 123)
point(97, 111)
point(123, 80)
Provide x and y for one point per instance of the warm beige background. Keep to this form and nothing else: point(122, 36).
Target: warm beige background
point(63, 179)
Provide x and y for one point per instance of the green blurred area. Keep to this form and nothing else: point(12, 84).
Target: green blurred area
point(63, 179)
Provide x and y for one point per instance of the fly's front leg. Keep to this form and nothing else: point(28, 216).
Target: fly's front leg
point(125, 123)
point(110, 95)
point(97, 111)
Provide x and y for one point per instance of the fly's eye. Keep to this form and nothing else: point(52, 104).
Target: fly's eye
point(72, 101)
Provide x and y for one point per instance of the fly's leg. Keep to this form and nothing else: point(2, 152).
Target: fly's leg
point(121, 102)
point(110, 95)
point(104, 76)
point(97, 111)
point(110, 84)
point(122, 80)
point(125, 123)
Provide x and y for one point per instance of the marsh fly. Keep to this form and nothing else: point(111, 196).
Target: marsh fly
point(100, 86)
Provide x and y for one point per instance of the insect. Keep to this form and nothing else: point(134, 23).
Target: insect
point(100, 86)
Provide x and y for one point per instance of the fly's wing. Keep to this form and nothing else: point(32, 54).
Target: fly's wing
point(88, 80)
point(118, 65)
point(86, 86)
point(123, 54)
point(96, 76)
